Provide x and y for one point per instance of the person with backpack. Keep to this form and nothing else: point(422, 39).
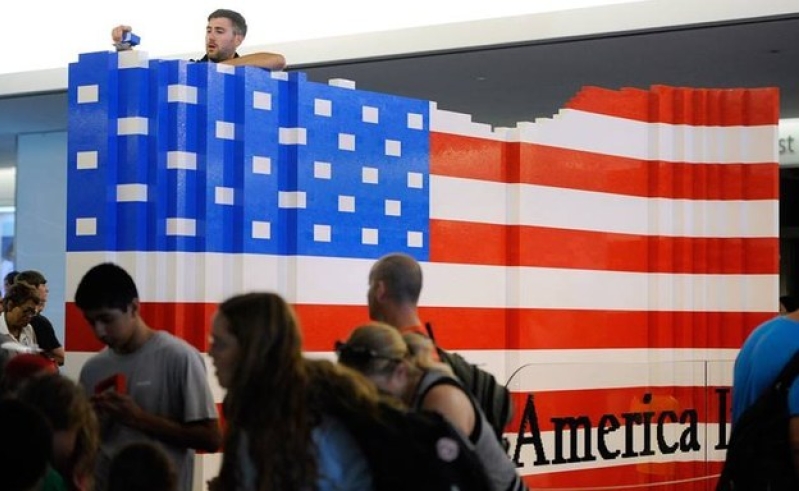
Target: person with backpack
point(403, 367)
point(395, 284)
point(763, 451)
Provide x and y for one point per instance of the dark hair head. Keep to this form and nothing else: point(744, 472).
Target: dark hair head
point(239, 24)
point(789, 303)
point(31, 277)
point(266, 330)
point(19, 293)
point(27, 445)
point(401, 275)
point(106, 285)
point(10, 277)
point(141, 465)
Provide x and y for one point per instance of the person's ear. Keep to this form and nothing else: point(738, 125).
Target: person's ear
point(238, 39)
point(381, 292)
point(134, 306)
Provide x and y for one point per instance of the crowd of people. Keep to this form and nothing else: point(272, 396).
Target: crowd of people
point(142, 406)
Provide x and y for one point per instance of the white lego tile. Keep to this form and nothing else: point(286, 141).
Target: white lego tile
point(394, 148)
point(346, 204)
point(370, 114)
point(346, 141)
point(224, 68)
point(88, 94)
point(225, 130)
point(369, 175)
point(224, 195)
point(181, 160)
point(261, 165)
point(132, 59)
point(86, 226)
point(415, 180)
point(415, 239)
point(322, 233)
point(261, 230)
point(369, 236)
point(291, 199)
point(322, 170)
point(393, 208)
point(179, 93)
point(132, 126)
point(292, 136)
point(131, 193)
point(262, 100)
point(181, 227)
point(323, 107)
point(342, 83)
point(415, 121)
point(279, 75)
point(87, 160)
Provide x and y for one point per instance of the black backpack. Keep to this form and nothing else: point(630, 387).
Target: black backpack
point(415, 451)
point(759, 455)
point(494, 399)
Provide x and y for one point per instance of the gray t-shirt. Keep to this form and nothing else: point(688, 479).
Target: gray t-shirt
point(166, 377)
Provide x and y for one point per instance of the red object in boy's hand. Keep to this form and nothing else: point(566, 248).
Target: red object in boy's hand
point(116, 382)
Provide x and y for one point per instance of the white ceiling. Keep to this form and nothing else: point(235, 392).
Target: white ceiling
point(502, 85)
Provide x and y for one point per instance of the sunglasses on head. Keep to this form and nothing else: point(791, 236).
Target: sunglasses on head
point(359, 355)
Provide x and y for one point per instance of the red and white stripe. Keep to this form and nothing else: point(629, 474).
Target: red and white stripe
point(627, 245)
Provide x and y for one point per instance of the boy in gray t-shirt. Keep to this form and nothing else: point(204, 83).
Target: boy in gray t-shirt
point(147, 385)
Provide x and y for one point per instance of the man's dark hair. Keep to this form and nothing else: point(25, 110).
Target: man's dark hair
point(31, 277)
point(19, 293)
point(239, 24)
point(106, 286)
point(402, 276)
point(27, 445)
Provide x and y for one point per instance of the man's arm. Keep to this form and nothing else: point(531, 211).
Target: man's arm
point(272, 61)
point(200, 435)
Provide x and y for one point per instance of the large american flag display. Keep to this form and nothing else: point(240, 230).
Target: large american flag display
point(606, 263)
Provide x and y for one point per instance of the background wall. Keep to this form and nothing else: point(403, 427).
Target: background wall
point(41, 215)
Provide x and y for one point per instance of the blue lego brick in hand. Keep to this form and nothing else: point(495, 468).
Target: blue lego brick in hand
point(128, 41)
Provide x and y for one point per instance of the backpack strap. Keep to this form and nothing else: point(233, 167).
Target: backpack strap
point(429, 328)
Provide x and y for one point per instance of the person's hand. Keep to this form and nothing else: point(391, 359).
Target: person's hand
point(118, 32)
point(118, 407)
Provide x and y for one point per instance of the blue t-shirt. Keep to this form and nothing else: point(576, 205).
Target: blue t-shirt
point(761, 359)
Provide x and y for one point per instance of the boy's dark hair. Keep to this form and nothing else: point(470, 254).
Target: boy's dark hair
point(31, 277)
point(239, 24)
point(106, 285)
point(141, 465)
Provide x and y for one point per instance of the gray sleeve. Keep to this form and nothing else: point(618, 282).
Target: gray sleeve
point(198, 402)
